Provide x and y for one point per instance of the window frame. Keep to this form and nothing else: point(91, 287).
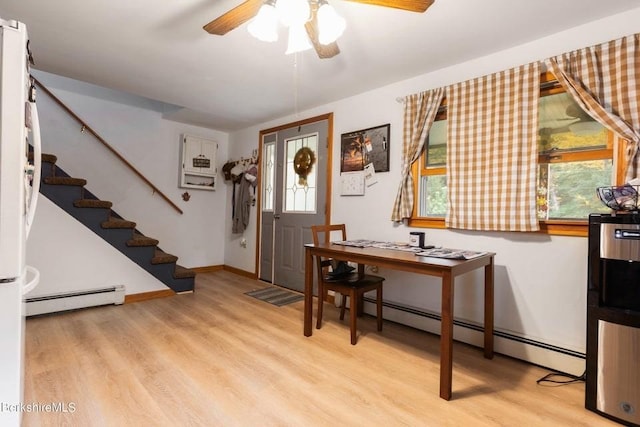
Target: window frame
point(562, 227)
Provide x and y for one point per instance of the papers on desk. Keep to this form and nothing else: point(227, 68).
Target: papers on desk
point(450, 253)
point(360, 243)
point(363, 243)
point(430, 252)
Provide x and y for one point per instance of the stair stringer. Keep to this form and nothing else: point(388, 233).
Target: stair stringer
point(64, 196)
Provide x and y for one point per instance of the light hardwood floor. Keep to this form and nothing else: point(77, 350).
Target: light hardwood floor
point(220, 358)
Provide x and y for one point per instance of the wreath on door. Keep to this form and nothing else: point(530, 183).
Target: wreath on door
point(303, 162)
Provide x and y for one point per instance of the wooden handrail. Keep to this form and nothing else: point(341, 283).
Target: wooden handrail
point(106, 144)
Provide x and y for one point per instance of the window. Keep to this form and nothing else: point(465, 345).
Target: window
point(576, 155)
point(269, 175)
point(433, 181)
point(300, 195)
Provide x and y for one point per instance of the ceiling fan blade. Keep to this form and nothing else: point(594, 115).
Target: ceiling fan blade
point(410, 5)
point(234, 18)
point(323, 51)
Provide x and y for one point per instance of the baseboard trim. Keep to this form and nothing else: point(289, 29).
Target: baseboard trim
point(240, 272)
point(208, 269)
point(144, 296)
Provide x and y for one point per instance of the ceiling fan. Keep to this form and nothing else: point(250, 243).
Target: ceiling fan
point(250, 8)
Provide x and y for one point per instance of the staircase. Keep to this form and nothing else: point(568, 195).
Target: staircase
point(69, 194)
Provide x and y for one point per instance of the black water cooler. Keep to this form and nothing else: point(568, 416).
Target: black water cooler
point(613, 317)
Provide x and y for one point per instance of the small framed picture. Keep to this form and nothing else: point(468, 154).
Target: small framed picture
point(359, 148)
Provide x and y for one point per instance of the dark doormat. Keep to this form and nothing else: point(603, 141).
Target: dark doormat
point(275, 296)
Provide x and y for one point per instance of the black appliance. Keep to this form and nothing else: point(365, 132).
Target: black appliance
point(613, 317)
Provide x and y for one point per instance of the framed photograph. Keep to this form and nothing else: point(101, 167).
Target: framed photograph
point(359, 148)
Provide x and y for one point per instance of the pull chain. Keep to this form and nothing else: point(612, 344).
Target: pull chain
point(295, 83)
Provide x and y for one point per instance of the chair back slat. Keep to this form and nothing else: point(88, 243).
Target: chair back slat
point(323, 233)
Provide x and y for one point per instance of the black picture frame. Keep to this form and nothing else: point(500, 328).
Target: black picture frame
point(361, 147)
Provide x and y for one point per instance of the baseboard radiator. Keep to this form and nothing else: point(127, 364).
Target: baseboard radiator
point(65, 301)
point(527, 349)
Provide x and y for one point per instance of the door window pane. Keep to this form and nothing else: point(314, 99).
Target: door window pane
point(269, 176)
point(300, 194)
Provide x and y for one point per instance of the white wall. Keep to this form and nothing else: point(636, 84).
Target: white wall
point(540, 280)
point(135, 127)
point(79, 263)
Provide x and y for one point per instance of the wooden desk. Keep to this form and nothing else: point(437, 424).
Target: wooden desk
point(407, 261)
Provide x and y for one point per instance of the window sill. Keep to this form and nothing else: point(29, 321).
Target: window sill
point(551, 227)
point(565, 228)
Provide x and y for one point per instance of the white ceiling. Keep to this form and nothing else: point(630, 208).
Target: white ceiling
point(159, 50)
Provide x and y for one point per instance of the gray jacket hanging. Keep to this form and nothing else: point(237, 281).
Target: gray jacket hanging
point(241, 207)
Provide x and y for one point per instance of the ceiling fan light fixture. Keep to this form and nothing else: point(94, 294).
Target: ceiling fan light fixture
point(298, 39)
point(293, 12)
point(330, 24)
point(264, 26)
point(297, 13)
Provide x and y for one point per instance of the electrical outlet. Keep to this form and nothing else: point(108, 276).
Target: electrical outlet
point(373, 268)
point(243, 243)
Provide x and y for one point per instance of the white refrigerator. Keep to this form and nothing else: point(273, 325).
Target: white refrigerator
point(19, 187)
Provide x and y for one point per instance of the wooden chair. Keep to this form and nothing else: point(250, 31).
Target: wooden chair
point(353, 285)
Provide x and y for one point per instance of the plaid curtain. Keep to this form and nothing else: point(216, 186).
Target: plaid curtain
point(492, 151)
point(604, 81)
point(419, 113)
